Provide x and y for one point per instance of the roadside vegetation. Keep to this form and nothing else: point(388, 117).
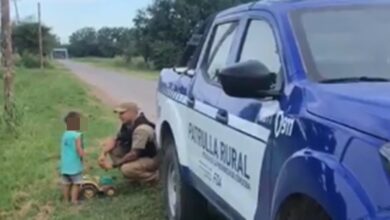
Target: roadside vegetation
point(29, 154)
point(26, 47)
point(29, 180)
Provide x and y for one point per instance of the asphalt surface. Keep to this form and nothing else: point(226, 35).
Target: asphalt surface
point(115, 87)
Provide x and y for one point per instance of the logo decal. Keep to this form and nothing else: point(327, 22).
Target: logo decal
point(283, 125)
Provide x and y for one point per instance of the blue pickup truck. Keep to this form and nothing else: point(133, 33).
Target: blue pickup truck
point(281, 110)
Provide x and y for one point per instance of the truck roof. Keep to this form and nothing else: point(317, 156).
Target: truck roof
point(287, 5)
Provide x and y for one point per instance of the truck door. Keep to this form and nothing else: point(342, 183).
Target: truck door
point(204, 119)
point(249, 123)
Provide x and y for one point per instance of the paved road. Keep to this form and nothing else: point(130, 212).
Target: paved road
point(117, 86)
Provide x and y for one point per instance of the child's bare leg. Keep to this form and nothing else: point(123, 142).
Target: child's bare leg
point(66, 192)
point(75, 193)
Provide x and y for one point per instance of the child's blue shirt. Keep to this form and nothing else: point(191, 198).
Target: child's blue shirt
point(70, 162)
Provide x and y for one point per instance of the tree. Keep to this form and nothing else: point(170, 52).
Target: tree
point(142, 35)
point(114, 41)
point(106, 42)
point(25, 38)
point(126, 43)
point(157, 38)
point(163, 28)
point(84, 43)
point(6, 31)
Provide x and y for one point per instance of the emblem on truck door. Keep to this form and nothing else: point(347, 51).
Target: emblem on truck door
point(283, 125)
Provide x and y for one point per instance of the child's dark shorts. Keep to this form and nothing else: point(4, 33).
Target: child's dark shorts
point(72, 179)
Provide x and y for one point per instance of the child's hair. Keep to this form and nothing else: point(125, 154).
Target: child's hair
point(72, 121)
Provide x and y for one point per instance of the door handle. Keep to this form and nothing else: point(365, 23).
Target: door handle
point(191, 101)
point(222, 116)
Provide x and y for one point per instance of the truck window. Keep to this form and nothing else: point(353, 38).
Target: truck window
point(260, 44)
point(194, 46)
point(344, 42)
point(219, 49)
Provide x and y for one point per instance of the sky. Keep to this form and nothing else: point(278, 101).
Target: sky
point(67, 16)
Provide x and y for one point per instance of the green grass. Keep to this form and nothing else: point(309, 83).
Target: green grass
point(28, 162)
point(136, 68)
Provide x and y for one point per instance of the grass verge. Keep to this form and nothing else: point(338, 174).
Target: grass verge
point(28, 162)
point(136, 68)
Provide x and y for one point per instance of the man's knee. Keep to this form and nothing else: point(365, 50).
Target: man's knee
point(149, 164)
point(131, 170)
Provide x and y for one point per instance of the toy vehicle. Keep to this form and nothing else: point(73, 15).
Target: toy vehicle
point(92, 186)
point(282, 112)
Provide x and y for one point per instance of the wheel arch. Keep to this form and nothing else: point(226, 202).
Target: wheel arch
point(171, 121)
point(167, 131)
point(296, 199)
point(325, 181)
point(166, 134)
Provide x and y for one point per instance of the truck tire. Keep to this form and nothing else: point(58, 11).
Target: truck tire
point(302, 208)
point(182, 201)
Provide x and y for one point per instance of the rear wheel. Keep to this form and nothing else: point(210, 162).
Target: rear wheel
point(302, 208)
point(88, 191)
point(110, 192)
point(182, 201)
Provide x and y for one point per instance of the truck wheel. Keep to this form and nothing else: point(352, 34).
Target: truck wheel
point(182, 201)
point(302, 208)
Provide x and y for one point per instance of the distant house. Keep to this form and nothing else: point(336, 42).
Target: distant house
point(60, 53)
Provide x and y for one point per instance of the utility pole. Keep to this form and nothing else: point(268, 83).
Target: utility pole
point(9, 107)
point(40, 35)
point(16, 11)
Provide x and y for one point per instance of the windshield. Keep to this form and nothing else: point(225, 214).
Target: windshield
point(345, 42)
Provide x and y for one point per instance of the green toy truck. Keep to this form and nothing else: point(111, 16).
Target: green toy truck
point(92, 186)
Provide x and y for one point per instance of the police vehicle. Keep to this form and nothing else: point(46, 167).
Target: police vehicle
point(282, 111)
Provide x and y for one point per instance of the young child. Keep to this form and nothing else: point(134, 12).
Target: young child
point(72, 154)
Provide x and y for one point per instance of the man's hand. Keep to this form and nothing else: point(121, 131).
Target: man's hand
point(108, 165)
point(105, 164)
point(102, 158)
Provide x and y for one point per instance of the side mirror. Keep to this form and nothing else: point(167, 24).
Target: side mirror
point(250, 79)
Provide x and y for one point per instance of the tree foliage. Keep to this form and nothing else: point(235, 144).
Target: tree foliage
point(165, 26)
point(25, 38)
point(159, 35)
point(105, 42)
point(84, 43)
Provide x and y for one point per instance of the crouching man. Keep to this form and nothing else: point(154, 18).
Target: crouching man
point(134, 149)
